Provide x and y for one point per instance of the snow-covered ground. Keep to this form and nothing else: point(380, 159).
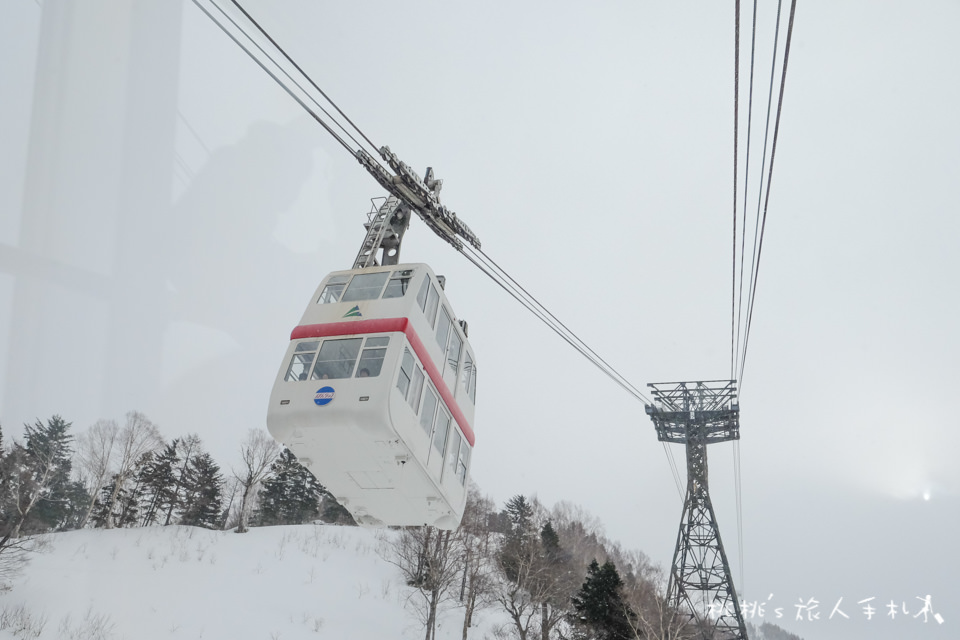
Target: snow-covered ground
point(284, 582)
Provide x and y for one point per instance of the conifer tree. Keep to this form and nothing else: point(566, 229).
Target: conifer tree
point(600, 612)
point(37, 475)
point(549, 539)
point(290, 494)
point(202, 492)
point(519, 546)
point(125, 501)
point(156, 474)
point(185, 449)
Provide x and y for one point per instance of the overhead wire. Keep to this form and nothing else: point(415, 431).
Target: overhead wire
point(766, 203)
point(554, 322)
point(500, 276)
point(275, 77)
point(763, 165)
point(744, 318)
point(746, 180)
point(736, 156)
point(303, 73)
point(733, 292)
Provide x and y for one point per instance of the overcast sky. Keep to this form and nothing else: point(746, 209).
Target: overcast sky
point(167, 212)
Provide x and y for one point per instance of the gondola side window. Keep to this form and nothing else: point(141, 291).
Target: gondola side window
point(406, 373)
point(299, 368)
point(463, 462)
point(441, 430)
point(416, 387)
point(443, 328)
point(422, 294)
point(331, 292)
point(433, 301)
point(371, 360)
point(429, 410)
point(454, 455)
point(454, 347)
point(429, 300)
point(470, 378)
point(410, 381)
point(398, 283)
point(336, 359)
point(365, 286)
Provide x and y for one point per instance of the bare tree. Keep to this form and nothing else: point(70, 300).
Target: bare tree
point(16, 483)
point(257, 452)
point(95, 450)
point(230, 490)
point(478, 545)
point(645, 595)
point(137, 437)
point(429, 560)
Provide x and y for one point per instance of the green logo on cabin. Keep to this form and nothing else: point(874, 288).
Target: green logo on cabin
point(353, 313)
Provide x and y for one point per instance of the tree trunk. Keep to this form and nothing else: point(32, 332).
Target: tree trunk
point(242, 520)
point(112, 502)
point(469, 605)
point(431, 617)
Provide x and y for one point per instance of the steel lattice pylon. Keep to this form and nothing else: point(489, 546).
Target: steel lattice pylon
point(697, 414)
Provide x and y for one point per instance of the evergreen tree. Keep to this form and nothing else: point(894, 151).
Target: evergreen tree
point(290, 494)
point(520, 516)
point(165, 477)
point(47, 453)
point(202, 492)
point(75, 500)
point(600, 612)
point(156, 474)
point(185, 449)
point(37, 493)
point(520, 547)
point(126, 505)
point(335, 513)
point(549, 540)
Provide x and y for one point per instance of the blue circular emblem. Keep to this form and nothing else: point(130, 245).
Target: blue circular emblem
point(324, 396)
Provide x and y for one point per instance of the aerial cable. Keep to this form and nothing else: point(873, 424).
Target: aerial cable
point(287, 73)
point(595, 357)
point(733, 305)
point(763, 166)
point(746, 174)
point(773, 151)
point(496, 273)
point(303, 73)
point(277, 79)
point(673, 469)
point(511, 286)
point(736, 118)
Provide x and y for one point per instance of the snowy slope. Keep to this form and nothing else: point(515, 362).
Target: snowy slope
point(284, 582)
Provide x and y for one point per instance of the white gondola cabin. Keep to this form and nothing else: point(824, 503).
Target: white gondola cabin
point(376, 393)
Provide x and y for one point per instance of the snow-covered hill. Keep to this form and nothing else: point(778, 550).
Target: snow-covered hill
point(284, 582)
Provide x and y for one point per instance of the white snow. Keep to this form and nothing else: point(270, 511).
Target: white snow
point(306, 581)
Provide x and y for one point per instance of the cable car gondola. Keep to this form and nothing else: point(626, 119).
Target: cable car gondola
point(376, 393)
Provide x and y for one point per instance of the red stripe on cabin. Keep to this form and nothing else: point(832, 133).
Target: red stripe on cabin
point(390, 325)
